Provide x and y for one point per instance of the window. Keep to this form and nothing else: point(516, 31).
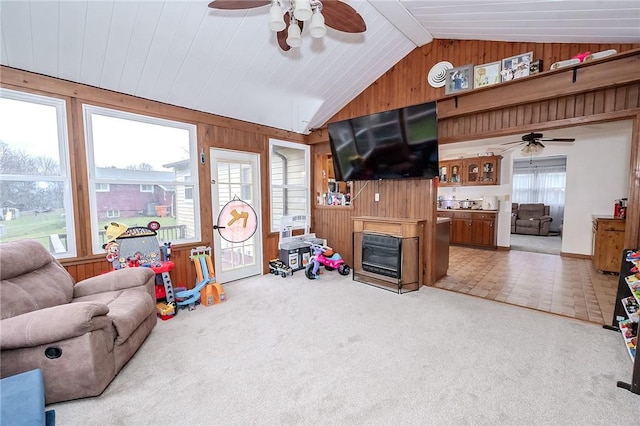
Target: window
point(542, 181)
point(35, 182)
point(147, 163)
point(289, 164)
point(188, 190)
point(102, 187)
point(188, 193)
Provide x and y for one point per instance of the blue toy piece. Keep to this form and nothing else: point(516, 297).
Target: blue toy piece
point(201, 257)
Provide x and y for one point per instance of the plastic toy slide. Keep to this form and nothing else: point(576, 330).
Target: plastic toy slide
point(201, 257)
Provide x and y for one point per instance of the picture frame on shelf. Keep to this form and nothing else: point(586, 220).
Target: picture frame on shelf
point(487, 74)
point(459, 79)
point(535, 66)
point(516, 66)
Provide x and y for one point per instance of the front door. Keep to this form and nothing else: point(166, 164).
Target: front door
point(235, 180)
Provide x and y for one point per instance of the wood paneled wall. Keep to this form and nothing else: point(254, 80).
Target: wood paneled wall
point(405, 84)
point(212, 130)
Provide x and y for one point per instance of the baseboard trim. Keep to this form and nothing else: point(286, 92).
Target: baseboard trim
point(503, 248)
point(575, 255)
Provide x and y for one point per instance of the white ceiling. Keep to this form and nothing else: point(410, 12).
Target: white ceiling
point(228, 63)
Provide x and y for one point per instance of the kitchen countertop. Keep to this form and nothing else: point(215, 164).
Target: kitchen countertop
point(468, 210)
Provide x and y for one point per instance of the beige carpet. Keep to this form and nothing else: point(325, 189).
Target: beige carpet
point(551, 244)
point(290, 351)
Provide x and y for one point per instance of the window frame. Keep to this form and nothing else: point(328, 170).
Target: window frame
point(87, 112)
point(105, 188)
point(307, 186)
point(65, 162)
point(147, 191)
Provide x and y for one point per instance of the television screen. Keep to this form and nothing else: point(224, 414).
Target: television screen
point(396, 144)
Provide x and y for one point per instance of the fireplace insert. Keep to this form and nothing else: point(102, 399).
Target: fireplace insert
point(381, 254)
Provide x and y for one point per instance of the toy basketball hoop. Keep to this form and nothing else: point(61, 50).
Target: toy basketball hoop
point(237, 221)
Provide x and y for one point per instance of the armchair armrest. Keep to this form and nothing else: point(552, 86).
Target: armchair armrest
point(120, 279)
point(53, 324)
point(545, 218)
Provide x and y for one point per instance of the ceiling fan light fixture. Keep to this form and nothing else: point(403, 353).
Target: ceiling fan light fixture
point(302, 10)
point(317, 27)
point(294, 38)
point(276, 17)
point(532, 149)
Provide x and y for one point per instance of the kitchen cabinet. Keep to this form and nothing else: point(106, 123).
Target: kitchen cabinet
point(476, 228)
point(608, 243)
point(476, 171)
point(451, 173)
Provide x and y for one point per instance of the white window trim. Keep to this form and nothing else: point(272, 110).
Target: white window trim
point(144, 190)
point(190, 199)
point(107, 187)
point(65, 167)
point(88, 110)
point(307, 166)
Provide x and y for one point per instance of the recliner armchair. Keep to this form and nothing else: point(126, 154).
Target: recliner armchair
point(531, 219)
point(79, 334)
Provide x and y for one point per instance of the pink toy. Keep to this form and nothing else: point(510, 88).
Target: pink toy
point(323, 255)
point(581, 56)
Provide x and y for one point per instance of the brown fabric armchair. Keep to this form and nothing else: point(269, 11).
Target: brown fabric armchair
point(531, 219)
point(79, 334)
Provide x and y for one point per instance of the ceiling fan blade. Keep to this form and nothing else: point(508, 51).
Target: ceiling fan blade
point(509, 143)
point(237, 4)
point(342, 17)
point(507, 148)
point(282, 40)
point(559, 140)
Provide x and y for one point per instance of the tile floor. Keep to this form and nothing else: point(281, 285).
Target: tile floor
point(560, 285)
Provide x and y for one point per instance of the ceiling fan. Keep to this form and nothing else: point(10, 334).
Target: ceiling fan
point(533, 143)
point(285, 14)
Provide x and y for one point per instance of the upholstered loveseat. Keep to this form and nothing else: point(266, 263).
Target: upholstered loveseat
point(79, 334)
point(530, 219)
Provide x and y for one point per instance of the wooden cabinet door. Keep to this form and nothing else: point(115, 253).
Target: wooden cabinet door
point(484, 232)
point(456, 175)
point(462, 232)
point(444, 170)
point(608, 244)
point(472, 171)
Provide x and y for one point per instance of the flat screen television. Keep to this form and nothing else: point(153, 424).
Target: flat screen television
point(396, 144)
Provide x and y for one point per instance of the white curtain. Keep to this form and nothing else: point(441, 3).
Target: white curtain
point(542, 184)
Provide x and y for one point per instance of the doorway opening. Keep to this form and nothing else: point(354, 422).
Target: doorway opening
point(538, 200)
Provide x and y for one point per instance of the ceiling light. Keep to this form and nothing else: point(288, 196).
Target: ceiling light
point(302, 10)
point(317, 27)
point(298, 11)
point(532, 149)
point(276, 19)
point(293, 35)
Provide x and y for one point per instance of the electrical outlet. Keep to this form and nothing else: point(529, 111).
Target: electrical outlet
point(376, 197)
point(507, 197)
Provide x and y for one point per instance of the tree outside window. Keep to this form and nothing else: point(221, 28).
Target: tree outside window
point(35, 183)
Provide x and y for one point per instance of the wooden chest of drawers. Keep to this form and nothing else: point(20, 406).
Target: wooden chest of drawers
point(608, 243)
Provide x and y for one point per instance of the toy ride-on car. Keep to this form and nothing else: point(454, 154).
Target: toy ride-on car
point(324, 255)
point(277, 267)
